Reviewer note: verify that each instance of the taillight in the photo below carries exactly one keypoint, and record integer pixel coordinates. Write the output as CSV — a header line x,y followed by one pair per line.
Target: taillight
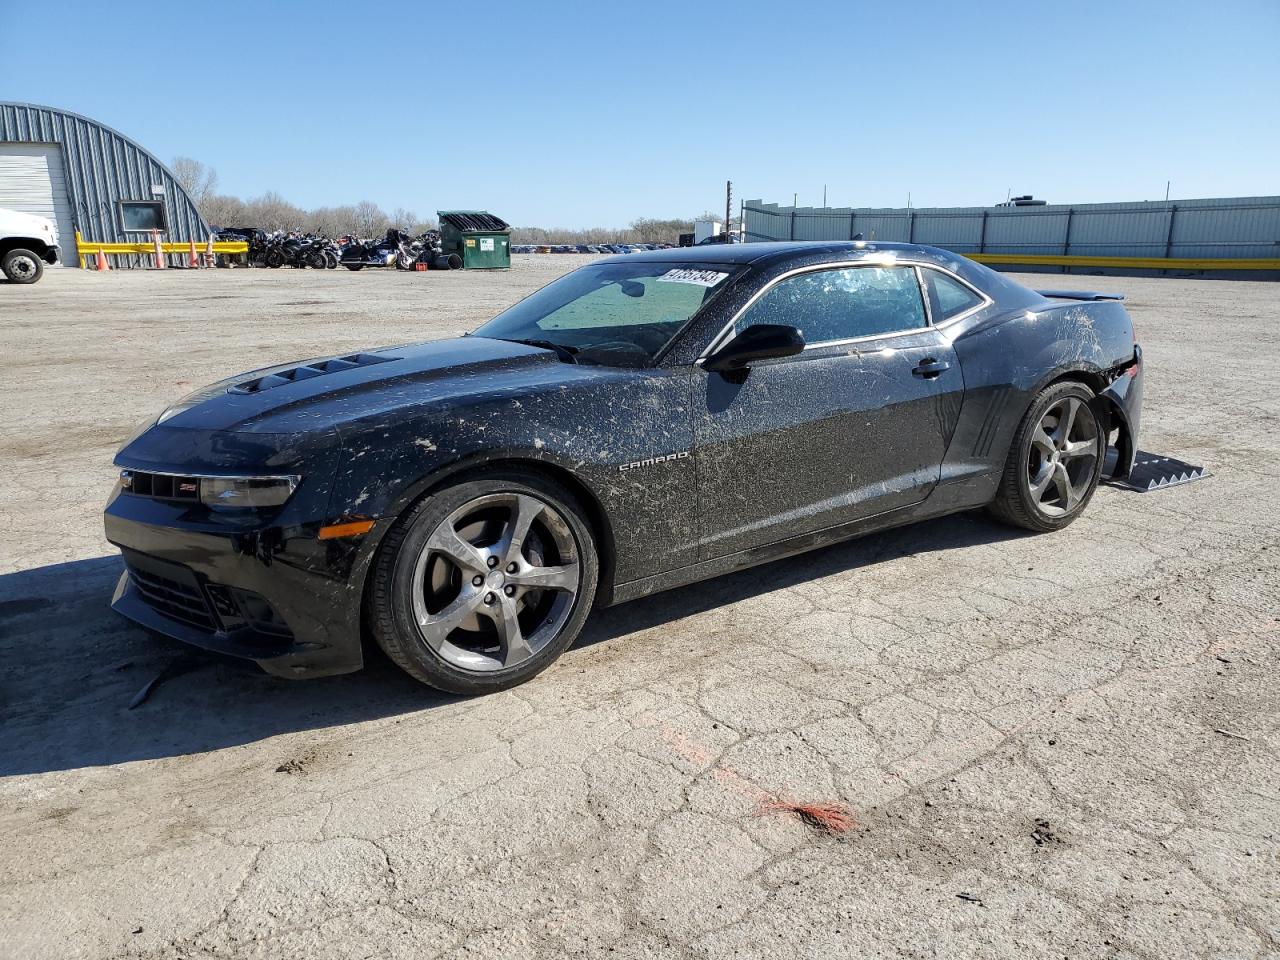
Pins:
x,y
1134,367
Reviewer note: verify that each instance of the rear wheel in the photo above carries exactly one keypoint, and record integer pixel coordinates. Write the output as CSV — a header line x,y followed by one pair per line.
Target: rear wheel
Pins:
x,y
22,266
353,267
482,585
1055,461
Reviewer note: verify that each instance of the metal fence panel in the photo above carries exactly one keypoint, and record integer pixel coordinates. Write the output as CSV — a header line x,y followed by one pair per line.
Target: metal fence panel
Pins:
x,y
1226,228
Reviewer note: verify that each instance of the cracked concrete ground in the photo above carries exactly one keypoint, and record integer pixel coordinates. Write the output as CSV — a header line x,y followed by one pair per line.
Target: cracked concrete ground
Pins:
x,y
1076,732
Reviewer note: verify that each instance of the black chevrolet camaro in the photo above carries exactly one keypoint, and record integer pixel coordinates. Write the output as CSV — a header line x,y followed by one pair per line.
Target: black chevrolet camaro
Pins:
x,y
641,423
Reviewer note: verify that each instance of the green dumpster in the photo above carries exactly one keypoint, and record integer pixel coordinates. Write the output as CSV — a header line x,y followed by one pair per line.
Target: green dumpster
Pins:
x,y
482,240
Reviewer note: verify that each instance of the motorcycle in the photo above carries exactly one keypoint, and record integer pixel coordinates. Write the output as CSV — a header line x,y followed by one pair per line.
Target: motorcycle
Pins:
x,y
318,253
359,254
429,249
273,250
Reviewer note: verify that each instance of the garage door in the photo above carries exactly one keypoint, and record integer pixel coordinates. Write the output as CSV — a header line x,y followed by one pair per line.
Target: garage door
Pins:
x,y
32,181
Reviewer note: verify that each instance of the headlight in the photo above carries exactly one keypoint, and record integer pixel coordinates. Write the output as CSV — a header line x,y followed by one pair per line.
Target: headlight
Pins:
x,y
246,492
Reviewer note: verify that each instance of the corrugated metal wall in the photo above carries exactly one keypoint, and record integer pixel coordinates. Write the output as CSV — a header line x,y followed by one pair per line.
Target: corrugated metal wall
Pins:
x,y
102,168
1235,227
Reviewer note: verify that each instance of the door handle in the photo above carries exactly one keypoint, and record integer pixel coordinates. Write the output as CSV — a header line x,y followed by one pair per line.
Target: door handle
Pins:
x,y
930,368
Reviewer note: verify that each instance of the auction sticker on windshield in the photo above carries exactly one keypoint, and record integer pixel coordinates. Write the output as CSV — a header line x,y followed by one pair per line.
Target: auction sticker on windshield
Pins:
x,y
701,278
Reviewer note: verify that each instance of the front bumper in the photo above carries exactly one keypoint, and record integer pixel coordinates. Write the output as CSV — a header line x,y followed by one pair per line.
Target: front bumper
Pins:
x,y
53,255
274,595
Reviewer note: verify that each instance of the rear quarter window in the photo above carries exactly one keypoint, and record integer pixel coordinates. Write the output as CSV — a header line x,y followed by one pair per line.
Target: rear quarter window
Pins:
x,y
948,297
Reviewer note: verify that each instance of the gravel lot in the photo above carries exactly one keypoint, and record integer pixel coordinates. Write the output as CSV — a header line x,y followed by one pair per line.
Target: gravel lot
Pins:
x,y
1058,746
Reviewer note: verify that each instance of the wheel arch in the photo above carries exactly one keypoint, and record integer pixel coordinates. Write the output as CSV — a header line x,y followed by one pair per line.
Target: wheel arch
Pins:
x,y
1113,414
1088,374
34,244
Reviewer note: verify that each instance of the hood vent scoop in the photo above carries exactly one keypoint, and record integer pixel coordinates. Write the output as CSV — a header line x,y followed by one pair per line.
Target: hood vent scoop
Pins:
x,y
308,370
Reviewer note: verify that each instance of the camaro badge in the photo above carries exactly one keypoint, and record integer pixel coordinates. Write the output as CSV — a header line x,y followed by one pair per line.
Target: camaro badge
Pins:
x,y
682,455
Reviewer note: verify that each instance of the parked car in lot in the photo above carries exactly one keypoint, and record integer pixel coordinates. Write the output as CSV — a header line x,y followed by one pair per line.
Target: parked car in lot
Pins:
x,y
641,423
27,243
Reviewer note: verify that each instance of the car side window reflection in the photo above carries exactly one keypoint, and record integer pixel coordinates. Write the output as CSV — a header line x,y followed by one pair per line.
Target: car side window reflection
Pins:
x,y
947,297
842,304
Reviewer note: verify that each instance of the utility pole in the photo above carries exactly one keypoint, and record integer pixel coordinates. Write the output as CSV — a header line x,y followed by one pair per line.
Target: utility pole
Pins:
x,y
793,199
1166,190
824,194
728,203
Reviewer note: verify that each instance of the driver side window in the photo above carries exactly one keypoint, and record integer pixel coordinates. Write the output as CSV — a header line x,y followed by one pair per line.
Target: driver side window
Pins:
x,y
842,304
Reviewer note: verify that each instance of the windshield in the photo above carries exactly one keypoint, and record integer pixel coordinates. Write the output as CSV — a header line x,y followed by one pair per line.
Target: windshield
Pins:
x,y
616,314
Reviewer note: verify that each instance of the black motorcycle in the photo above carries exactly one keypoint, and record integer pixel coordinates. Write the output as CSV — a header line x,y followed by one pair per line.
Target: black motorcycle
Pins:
x,y
318,253
359,254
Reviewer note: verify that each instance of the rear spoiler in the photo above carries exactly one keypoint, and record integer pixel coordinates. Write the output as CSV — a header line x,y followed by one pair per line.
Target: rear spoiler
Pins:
x,y
1079,295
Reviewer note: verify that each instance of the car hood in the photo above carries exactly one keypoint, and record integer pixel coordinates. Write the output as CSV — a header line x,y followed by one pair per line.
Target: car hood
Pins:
x,y
326,394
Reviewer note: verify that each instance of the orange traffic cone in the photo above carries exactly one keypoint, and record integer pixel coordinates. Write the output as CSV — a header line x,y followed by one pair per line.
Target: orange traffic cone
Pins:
x,y
193,261
102,266
160,264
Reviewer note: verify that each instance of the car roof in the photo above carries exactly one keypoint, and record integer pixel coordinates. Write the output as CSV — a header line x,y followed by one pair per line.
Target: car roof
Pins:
x,y
759,253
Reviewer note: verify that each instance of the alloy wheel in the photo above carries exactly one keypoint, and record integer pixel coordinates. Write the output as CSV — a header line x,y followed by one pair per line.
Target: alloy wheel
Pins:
x,y
1063,457
495,581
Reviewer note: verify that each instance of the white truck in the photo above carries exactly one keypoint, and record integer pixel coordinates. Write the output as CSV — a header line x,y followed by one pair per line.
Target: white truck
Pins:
x,y
27,243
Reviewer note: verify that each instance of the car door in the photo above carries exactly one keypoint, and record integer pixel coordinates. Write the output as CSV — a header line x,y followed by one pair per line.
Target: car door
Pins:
x,y
855,425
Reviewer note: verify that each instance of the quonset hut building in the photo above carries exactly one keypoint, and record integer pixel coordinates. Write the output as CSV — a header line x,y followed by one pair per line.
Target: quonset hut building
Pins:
x,y
87,177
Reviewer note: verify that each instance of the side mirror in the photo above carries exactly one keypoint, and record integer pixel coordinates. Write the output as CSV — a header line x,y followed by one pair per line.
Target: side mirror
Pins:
x,y
763,341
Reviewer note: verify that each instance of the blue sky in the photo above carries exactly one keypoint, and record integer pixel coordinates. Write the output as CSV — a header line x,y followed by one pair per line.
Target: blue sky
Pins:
x,y
586,114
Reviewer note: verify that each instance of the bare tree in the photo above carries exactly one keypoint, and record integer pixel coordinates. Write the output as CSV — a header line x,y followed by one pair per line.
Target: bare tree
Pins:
x,y
331,221
199,181
370,219
273,212
649,230
224,211
366,219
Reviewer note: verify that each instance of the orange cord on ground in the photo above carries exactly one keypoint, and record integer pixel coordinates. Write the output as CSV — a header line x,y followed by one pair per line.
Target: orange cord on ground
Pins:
x,y
833,818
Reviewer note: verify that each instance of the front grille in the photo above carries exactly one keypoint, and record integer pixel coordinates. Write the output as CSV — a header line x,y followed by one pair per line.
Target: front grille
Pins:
x,y
161,486
173,598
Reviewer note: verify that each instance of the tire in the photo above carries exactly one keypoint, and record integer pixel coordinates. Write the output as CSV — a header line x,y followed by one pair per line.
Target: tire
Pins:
x,y
353,267
274,259
316,261
331,261
1051,474
433,619
22,266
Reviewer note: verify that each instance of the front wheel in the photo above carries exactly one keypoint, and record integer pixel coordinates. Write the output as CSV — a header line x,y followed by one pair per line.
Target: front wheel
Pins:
x,y
482,585
1055,461
22,266
353,267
